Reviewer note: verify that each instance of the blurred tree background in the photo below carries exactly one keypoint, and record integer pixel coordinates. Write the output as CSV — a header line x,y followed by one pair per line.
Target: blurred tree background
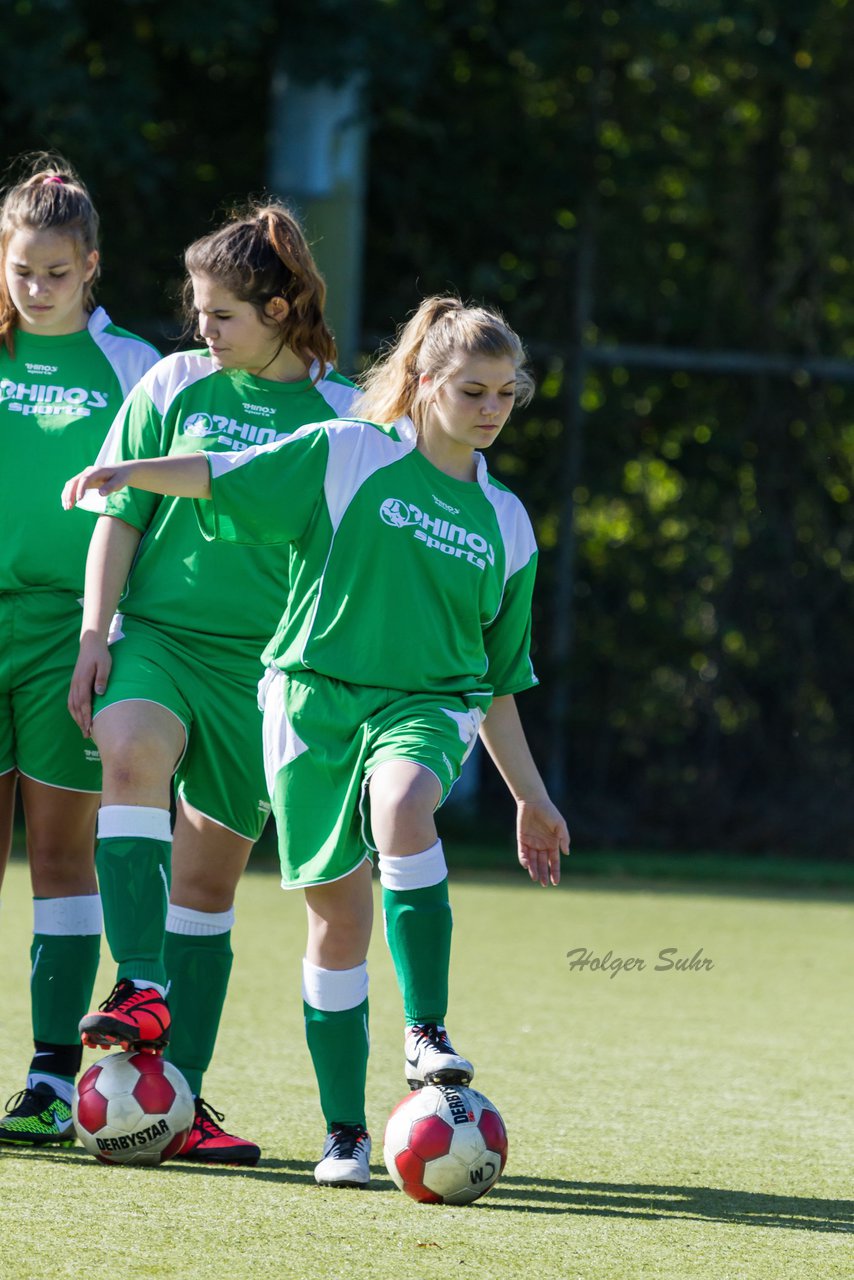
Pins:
x,y
668,174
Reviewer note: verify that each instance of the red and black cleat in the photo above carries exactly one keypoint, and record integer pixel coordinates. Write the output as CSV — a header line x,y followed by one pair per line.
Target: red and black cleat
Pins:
x,y
131,1017
208,1143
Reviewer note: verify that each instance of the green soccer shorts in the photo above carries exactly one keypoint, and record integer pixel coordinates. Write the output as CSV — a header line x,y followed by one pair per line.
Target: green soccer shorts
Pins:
x,y
39,642
322,741
213,691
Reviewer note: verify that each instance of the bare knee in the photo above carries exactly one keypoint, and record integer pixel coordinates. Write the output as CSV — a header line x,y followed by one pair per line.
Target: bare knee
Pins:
x,y
138,763
61,871
403,799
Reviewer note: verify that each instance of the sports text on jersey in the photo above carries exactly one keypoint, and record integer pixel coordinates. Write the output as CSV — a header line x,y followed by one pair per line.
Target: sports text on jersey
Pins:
x,y
442,535
229,429
266,410
42,399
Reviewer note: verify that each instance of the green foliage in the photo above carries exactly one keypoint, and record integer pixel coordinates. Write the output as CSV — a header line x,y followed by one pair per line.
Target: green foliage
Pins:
x,y
705,144
704,148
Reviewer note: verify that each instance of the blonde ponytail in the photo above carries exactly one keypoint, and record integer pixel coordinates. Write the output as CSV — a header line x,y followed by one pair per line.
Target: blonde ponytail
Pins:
x,y
434,341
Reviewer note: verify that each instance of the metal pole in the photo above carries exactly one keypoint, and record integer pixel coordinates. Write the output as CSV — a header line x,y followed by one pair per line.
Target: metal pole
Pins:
x,y
570,471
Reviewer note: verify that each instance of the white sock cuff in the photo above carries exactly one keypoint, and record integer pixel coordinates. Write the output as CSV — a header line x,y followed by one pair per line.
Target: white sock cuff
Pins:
x,y
334,990
198,924
123,820
418,871
61,1088
68,917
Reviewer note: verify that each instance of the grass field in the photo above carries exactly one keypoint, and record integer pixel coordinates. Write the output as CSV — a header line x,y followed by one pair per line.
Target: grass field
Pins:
x,y
663,1122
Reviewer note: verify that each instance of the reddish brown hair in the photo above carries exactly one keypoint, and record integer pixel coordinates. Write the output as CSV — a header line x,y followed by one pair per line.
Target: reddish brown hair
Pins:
x,y
263,254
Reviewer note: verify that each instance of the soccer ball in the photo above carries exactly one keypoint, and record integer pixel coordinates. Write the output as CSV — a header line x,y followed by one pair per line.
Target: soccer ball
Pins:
x,y
133,1108
445,1144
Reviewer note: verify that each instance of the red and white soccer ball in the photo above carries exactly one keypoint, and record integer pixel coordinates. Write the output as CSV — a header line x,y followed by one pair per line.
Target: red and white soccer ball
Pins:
x,y
445,1144
133,1108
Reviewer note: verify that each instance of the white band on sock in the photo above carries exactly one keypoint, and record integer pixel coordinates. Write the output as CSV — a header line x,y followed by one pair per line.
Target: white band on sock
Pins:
x,y
68,917
61,1088
334,990
418,871
198,924
118,820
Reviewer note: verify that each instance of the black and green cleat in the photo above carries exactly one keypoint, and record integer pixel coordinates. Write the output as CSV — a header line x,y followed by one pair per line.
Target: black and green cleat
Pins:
x,y
36,1117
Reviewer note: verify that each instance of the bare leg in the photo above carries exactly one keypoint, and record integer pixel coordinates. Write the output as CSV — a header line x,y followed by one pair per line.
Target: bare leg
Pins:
x,y
60,839
7,817
404,796
340,918
140,745
207,861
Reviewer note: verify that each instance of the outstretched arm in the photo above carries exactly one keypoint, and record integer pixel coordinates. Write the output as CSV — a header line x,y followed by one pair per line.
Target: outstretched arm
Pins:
x,y
541,832
181,476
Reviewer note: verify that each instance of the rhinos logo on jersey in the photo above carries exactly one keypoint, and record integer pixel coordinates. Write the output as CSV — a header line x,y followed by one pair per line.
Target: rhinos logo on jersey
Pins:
x,y
200,424
438,534
396,513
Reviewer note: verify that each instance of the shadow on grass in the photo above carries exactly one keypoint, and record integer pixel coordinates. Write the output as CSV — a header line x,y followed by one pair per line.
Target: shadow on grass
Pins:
x,y
554,1196
713,1204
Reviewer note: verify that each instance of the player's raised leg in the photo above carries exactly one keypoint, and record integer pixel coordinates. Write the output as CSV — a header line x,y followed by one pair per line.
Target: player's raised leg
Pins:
x,y
208,861
335,1006
418,922
64,954
140,743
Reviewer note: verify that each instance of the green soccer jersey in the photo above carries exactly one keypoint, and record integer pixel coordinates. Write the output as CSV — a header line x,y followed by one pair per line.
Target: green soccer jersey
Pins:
x,y
403,577
58,396
190,587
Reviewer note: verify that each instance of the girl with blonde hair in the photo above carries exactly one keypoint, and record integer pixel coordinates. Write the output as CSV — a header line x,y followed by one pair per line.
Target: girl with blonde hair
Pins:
x,y
405,633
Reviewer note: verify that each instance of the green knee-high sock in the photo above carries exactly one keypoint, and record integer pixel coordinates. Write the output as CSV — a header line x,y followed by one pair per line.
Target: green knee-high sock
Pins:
x,y
61,984
338,1043
64,954
198,968
418,926
134,872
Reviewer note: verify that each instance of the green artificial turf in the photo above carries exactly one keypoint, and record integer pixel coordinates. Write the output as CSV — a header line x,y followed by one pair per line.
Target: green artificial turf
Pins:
x,y
669,1123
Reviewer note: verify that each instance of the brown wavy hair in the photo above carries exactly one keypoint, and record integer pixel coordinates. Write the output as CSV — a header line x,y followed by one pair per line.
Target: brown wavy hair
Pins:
x,y
48,196
261,254
437,338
